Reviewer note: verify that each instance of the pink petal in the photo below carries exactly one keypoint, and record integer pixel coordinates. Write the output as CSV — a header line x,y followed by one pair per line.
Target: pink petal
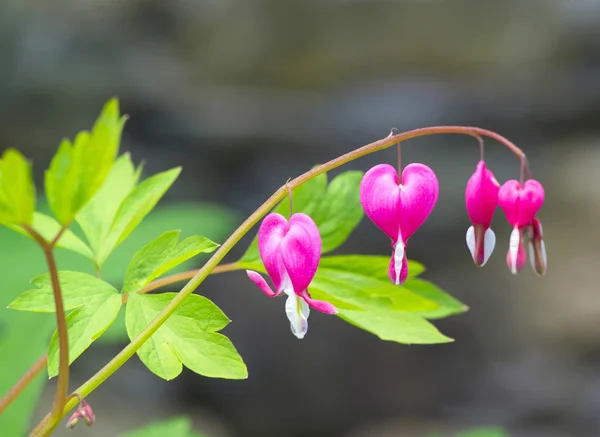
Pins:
x,y
319,305
420,191
393,206
260,282
481,196
521,202
270,236
380,198
301,251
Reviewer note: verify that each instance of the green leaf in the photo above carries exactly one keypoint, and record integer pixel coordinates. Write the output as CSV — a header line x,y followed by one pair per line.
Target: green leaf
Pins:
x,y
48,228
398,326
78,170
134,208
176,427
376,266
340,211
479,432
84,325
448,305
484,432
161,255
78,289
349,282
17,191
188,337
98,215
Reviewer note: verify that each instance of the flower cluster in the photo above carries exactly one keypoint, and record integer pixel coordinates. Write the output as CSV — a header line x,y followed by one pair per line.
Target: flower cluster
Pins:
x,y
399,204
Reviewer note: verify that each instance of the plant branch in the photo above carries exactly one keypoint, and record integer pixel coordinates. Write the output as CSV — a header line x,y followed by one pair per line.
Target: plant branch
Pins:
x,y
44,428
22,383
178,277
159,283
62,386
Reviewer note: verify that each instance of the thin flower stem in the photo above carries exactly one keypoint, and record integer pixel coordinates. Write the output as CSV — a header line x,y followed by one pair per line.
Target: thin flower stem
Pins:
x,y
399,149
16,390
178,277
44,428
62,386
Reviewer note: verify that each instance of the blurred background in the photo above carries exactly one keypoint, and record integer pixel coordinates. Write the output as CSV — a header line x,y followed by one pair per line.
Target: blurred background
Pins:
x,y
247,93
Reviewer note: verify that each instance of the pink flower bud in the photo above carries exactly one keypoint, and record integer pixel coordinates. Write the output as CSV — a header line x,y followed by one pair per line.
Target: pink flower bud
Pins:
x,y
481,198
537,248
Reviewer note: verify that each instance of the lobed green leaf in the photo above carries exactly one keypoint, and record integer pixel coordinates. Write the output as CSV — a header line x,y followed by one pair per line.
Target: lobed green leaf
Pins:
x,y
78,289
186,338
161,255
99,213
79,169
17,190
134,208
84,325
398,326
175,427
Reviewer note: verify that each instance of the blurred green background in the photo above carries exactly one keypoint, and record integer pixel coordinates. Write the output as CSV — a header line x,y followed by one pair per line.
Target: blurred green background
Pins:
x,y
247,93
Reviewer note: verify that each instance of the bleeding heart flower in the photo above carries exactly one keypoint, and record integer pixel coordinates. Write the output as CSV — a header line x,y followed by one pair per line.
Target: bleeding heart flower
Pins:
x,y
481,198
290,253
537,248
520,204
399,208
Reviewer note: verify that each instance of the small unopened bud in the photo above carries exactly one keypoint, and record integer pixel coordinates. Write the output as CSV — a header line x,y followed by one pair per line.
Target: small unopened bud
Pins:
x,y
537,248
84,411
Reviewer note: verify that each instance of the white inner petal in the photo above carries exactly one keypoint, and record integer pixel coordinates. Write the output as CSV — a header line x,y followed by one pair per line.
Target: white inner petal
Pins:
x,y
489,242
513,249
471,241
297,312
398,257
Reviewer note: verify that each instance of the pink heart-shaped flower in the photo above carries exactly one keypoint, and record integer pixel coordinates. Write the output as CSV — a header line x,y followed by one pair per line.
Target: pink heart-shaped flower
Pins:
x,y
399,208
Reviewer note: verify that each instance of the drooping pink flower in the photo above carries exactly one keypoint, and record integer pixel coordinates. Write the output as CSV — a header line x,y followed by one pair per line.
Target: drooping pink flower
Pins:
x,y
481,198
85,412
537,248
399,208
520,203
290,253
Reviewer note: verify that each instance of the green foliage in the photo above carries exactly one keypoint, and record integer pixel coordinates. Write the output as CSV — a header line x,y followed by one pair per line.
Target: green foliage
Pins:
x,y
187,338
335,208
97,216
95,304
24,337
138,203
479,432
359,287
78,169
375,267
17,191
176,427
162,255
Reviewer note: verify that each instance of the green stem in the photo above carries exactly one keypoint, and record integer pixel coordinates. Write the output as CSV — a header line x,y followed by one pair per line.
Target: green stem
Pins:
x,y
113,365
62,386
